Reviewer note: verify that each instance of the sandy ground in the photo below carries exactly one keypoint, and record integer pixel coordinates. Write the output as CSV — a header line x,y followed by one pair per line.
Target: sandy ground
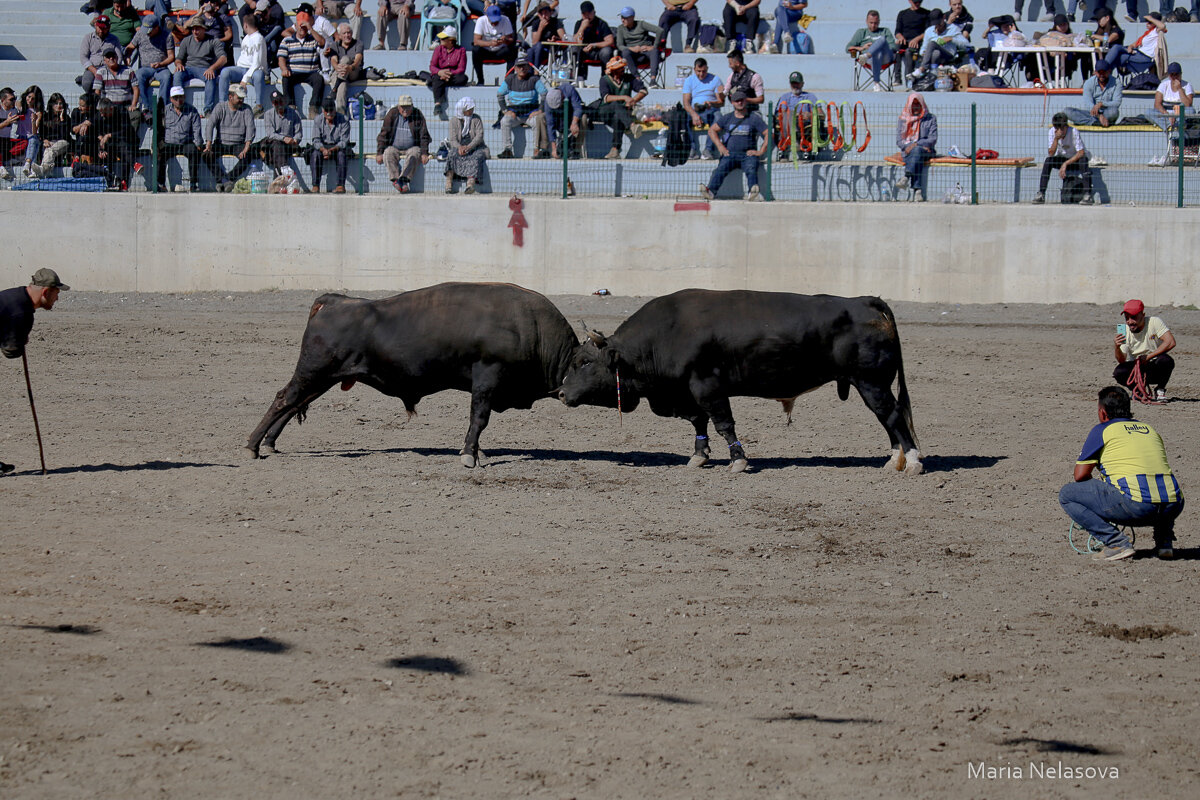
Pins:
x,y
360,616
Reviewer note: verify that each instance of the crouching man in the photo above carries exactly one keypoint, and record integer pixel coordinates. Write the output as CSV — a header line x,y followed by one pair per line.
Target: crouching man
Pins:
x,y
1135,486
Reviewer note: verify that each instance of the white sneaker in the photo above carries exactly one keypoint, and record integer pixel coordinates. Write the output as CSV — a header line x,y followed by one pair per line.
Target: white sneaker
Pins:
x,y
753,195
1099,162
5,174
704,190
28,170
877,87
918,72
918,196
902,183
1160,395
1161,161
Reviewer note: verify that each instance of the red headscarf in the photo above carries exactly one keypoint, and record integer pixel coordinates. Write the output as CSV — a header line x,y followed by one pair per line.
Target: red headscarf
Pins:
x,y
911,116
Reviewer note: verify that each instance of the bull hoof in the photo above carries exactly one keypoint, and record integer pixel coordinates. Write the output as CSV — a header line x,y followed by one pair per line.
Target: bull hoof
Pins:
x,y
739,465
269,450
697,461
469,461
896,462
253,452
914,467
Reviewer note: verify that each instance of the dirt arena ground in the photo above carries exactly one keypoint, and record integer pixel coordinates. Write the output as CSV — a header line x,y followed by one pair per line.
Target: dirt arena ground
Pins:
x,y
360,616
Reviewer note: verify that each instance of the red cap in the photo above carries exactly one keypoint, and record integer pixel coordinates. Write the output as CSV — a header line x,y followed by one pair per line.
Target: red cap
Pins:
x,y
100,20
1133,308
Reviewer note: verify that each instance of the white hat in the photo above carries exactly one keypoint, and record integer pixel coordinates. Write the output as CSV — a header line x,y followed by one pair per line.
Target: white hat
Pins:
x,y
448,32
176,91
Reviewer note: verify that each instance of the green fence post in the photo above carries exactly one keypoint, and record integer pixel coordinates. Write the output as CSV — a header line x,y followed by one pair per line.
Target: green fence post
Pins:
x,y
154,154
1181,125
974,150
566,145
770,151
362,149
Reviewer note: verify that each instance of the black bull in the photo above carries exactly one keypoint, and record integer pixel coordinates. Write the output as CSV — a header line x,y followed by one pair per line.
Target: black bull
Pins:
x,y
507,346
687,353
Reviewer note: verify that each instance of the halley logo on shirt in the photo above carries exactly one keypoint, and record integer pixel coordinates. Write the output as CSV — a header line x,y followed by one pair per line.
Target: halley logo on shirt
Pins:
x,y
1133,427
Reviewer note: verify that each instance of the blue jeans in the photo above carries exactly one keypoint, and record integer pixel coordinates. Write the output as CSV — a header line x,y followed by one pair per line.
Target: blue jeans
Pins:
x,y
1095,505
708,117
1135,61
747,163
786,20
210,87
916,165
880,54
147,74
231,75
161,8
1083,116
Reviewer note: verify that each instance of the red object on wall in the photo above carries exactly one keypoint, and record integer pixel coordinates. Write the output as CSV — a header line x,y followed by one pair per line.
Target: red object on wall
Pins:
x,y
517,221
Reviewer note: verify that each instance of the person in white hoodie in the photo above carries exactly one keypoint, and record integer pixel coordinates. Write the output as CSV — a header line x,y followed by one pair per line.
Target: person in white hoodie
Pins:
x,y
251,66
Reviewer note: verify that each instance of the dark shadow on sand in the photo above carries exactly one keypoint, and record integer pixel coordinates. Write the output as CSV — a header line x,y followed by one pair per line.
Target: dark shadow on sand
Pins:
x,y
434,664
798,717
1057,746
669,699
150,466
257,644
79,630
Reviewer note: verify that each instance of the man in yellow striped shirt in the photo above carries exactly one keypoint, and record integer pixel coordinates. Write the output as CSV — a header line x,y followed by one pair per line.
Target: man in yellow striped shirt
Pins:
x,y
1135,485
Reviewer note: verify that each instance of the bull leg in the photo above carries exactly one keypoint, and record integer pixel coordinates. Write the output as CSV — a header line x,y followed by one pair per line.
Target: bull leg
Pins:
x,y
905,455
713,403
288,401
700,456
484,380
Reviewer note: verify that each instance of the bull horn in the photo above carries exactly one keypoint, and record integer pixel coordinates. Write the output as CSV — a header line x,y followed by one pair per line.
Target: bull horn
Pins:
x,y
597,338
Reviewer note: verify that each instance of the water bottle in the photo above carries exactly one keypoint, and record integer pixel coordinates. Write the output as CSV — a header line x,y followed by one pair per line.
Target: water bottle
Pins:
x,y
741,40
660,142
885,193
681,75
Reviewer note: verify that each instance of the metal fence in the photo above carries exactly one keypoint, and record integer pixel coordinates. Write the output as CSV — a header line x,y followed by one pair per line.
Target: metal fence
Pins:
x,y
851,155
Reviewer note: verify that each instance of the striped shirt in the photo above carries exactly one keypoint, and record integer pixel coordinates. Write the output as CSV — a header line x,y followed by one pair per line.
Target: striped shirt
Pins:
x,y
302,55
1130,456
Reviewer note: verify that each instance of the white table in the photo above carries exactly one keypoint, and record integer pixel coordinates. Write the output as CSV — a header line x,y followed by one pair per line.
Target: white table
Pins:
x,y
1042,57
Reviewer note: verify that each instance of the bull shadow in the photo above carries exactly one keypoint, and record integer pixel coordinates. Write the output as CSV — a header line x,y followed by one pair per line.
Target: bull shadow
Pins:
x,y
78,630
256,644
669,699
145,466
508,455
931,463
1057,746
437,665
796,716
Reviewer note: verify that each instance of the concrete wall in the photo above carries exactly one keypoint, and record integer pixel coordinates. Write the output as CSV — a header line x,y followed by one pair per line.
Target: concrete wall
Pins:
x,y
900,251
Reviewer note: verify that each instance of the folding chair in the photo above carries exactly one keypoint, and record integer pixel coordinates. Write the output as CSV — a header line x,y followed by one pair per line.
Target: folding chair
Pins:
x,y
1191,143
430,26
862,80
642,67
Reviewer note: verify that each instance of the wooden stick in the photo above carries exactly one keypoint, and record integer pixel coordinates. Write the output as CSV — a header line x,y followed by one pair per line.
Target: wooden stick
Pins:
x,y
37,429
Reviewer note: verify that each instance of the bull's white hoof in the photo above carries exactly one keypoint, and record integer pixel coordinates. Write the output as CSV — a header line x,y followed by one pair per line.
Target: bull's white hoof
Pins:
x,y
266,448
697,461
914,465
896,462
739,465
467,460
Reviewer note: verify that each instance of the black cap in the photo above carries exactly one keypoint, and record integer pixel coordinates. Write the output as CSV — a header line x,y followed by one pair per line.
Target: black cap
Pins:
x,y
110,53
936,16
1102,11
277,95
737,94
1061,19
329,105
587,6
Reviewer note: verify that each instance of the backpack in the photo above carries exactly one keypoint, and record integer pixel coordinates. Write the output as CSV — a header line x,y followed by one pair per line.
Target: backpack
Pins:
x,y
1178,15
679,139
1072,188
926,82
802,44
1143,82
987,82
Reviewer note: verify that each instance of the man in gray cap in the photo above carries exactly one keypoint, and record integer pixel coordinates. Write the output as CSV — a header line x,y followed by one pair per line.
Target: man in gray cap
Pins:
x,y
16,315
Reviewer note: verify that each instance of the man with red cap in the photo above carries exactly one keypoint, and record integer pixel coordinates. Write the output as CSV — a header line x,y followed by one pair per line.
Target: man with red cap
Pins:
x,y
92,49
1145,341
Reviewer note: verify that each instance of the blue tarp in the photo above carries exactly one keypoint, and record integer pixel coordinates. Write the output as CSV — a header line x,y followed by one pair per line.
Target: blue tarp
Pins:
x,y
62,185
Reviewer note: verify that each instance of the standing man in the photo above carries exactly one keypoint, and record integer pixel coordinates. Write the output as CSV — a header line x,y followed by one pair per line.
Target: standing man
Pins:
x,y
736,136
16,316
1135,487
1146,341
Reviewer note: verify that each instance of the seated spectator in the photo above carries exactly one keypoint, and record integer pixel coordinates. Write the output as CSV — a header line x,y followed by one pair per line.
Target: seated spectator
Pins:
x,y
744,78
677,11
269,16
520,95
57,139
300,63
911,24
199,58
404,135
229,131
942,43
400,11
550,121
349,10
282,132
546,27
1062,31
997,31
958,15
1145,343
117,83
347,63
447,67
468,151
1172,96
795,108
32,110
83,128
596,38
123,22
1107,33
637,38
12,148
873,46
181,136
115,139
703,96
1141,57
736,137
493,39
620,92
330,142
155,50
746,13
323,30
91,51
1067,154
916,136
787,28
1101,99
219,28
251,67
